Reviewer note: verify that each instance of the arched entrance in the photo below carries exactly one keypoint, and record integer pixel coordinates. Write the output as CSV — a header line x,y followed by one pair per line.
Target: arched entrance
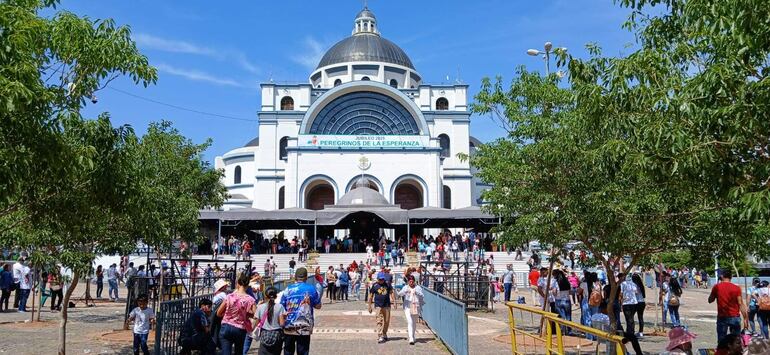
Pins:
x,y
318,195
408,194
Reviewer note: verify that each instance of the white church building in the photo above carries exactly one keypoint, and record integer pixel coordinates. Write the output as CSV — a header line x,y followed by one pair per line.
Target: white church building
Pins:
x,y
364,111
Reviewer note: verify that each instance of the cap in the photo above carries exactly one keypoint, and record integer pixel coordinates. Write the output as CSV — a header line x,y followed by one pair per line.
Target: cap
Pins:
x,y
301,273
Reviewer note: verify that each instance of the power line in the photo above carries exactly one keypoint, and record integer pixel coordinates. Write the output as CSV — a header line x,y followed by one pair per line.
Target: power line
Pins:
x,y
180,107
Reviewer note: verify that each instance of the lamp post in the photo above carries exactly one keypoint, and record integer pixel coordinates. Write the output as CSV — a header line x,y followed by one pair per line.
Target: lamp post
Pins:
x,y
546,53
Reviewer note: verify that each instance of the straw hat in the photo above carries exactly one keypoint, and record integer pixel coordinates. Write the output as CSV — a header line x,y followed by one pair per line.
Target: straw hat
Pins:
x,y
678,336
220,284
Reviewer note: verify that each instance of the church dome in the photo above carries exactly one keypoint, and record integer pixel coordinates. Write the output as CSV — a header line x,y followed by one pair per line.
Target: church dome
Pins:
x,y
362,196
365,45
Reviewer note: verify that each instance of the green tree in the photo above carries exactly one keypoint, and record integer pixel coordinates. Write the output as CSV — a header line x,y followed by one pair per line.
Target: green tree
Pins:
x,y
75,188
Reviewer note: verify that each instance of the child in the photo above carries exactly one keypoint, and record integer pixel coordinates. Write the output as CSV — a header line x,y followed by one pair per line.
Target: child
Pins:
x,y
497,288
142,317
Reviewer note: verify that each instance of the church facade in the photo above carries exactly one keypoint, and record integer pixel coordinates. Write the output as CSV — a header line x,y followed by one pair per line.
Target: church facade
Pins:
x,y
364,112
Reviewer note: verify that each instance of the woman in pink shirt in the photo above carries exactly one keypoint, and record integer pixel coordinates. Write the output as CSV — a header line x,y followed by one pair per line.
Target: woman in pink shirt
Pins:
x,y
574,283
236,312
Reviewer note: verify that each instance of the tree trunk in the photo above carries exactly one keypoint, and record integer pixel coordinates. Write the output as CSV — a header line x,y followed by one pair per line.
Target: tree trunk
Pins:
x,y
613,298
64,310
40,309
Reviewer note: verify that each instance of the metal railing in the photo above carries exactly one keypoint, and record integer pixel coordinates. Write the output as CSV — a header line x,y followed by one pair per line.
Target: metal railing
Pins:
x,y
171,316
527,337
447,319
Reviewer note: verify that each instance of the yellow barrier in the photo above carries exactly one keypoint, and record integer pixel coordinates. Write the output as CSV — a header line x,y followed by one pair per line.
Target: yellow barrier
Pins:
x,y
553,322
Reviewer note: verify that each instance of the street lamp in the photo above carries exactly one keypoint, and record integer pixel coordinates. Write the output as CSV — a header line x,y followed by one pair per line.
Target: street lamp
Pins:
x,y
546,53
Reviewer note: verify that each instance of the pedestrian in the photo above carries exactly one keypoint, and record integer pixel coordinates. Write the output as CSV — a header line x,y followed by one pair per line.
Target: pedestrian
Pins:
x,y
196,331
99,281
23,281
292,264
142,316
729,306
300,300
271,317
673,299
542,282
344,279
131,272
6,286
574,282
355,283
369,253
236,312
55,286
640,302
331,284
381,296
561,295
763,302
220,293
508,279
112,281
628,290
753,303
533,277
413,302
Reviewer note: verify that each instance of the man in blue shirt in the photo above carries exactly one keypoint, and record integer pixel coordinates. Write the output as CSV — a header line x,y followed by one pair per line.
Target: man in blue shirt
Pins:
x,y
299,300
381,296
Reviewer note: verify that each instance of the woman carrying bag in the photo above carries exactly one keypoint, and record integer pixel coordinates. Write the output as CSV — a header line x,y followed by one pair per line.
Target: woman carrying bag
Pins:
x,y
270,317
413,302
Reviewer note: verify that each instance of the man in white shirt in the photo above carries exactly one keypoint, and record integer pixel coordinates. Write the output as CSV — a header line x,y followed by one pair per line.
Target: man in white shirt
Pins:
x,y
22,276
112,281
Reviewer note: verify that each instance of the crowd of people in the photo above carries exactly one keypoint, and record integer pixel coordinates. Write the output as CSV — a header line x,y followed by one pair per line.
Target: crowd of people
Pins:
x,y
282,321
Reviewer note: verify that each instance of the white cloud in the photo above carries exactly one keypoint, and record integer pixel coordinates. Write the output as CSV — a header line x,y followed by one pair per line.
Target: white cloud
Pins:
x,y
168,45
178,46
314,50
196,75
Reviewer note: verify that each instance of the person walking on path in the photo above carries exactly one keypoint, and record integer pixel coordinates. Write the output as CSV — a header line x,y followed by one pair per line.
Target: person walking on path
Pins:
x,y
534,277
142,316
753,303
381,296
271,318
763,301
6,286
671,299
730,306
236,312
23,279
508,279
640,302
112,281
300,299
413,302
331,284
628,290
55,285
99,281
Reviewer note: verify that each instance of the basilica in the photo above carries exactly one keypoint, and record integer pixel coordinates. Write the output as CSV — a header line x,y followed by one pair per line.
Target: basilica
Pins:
x,y
364,117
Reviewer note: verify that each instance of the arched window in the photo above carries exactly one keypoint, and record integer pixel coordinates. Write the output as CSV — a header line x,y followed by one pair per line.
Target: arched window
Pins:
x,y
282,154
337,82
443,141
281,196
394,83
442,104
447,197
237,175
366,78
287,103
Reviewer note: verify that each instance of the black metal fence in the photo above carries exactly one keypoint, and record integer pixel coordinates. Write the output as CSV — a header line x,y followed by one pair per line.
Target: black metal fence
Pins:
x,y
170,318
181,281
469,286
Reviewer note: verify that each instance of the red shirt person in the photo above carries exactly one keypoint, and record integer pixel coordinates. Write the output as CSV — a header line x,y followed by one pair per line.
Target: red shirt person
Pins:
x,y
730,306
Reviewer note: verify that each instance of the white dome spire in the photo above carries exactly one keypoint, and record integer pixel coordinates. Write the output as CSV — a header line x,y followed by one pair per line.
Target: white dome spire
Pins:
x,y
365,23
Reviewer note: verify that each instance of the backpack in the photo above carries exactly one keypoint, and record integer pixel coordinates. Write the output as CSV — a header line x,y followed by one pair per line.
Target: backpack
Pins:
x,y
764,302
595,299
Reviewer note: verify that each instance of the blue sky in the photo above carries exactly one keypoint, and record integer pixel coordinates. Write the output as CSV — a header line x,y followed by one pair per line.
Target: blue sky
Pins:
x,y
211,58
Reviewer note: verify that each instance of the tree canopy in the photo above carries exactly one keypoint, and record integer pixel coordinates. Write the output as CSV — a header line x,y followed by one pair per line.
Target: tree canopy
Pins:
x,y
76,187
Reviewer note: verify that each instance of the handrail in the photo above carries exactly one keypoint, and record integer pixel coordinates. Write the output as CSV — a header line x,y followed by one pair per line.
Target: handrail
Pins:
x,y
553,322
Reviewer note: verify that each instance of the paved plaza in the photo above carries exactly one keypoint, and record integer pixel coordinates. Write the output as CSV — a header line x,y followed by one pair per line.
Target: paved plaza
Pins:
x,y
341,328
